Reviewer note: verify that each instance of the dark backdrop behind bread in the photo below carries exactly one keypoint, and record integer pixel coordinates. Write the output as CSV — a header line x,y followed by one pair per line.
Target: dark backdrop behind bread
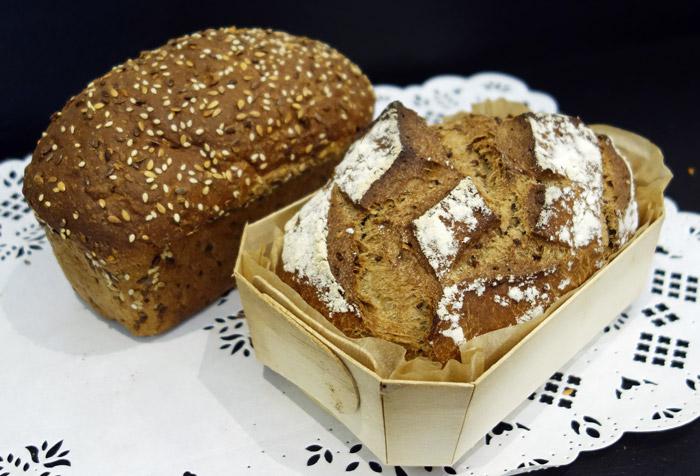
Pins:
x,y
610,62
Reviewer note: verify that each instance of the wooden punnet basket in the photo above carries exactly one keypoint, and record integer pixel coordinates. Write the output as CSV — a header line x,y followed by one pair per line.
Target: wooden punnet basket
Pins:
x,y
434,423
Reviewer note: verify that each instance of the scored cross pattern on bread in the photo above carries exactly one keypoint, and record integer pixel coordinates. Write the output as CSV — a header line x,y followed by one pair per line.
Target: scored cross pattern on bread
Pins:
x,y
432,235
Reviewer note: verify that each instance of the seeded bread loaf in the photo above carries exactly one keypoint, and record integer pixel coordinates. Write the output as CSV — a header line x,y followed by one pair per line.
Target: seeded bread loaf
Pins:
x,y
430,236
145,179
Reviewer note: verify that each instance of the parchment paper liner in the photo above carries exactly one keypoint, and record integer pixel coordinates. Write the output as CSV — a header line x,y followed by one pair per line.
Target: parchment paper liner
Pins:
x,y
478,354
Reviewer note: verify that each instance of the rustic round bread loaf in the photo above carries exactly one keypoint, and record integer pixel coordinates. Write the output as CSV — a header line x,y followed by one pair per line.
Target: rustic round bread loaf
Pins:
x,y
145,179
430,236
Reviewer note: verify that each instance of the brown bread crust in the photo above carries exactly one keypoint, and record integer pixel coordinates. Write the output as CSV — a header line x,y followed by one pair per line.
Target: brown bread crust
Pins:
x,y
184,142
511,267
149,289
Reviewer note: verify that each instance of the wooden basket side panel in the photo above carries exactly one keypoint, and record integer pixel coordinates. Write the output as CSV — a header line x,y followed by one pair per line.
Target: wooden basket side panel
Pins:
x,y
423,421
509,382
340,385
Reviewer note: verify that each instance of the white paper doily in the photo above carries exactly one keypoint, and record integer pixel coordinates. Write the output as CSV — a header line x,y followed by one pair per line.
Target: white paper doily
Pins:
x,y
80,397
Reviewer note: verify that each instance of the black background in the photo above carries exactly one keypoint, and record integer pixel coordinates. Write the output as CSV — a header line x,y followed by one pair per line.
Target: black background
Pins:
x,y
622,63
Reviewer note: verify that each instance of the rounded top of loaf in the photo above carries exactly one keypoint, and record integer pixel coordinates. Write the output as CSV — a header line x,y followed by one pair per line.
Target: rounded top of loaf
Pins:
x,y
190,131
430,236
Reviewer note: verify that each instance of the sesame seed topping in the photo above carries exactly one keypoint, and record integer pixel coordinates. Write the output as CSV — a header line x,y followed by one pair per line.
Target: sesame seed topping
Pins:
x,y
229,96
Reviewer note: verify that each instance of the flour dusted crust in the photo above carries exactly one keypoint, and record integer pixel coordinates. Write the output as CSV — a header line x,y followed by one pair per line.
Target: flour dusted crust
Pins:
x,y
454,221
145,179
468,226
369,158
566,147
305,252
623,218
